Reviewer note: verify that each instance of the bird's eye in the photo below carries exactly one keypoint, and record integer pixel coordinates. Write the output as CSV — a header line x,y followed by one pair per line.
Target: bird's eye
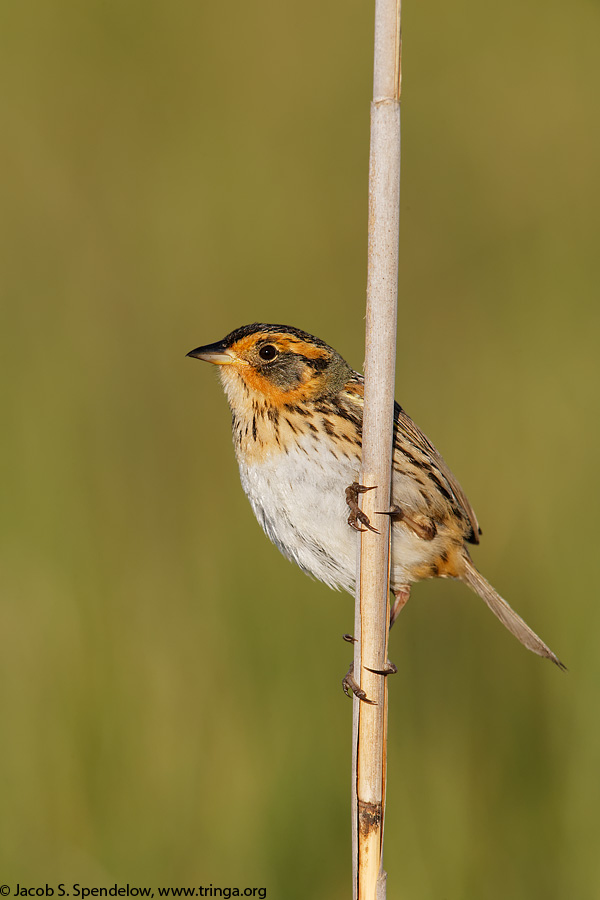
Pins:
x,y
268,352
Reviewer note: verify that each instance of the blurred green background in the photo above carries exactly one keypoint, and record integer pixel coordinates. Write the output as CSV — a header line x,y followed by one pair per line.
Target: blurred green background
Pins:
x,y
170,686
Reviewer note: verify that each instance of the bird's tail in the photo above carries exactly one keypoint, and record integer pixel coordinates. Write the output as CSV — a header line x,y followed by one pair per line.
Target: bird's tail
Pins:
x,y
506,614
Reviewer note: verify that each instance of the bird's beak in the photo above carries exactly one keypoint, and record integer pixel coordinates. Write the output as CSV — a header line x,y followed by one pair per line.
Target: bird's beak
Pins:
x,y
214,353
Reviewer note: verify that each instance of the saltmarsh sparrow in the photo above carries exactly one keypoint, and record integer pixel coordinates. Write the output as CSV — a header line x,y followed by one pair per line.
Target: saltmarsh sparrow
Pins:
x,y
297,410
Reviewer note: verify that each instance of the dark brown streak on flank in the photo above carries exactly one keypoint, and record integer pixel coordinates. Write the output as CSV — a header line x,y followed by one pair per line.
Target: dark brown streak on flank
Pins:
x,y
297,410
254,431
324,406
350,413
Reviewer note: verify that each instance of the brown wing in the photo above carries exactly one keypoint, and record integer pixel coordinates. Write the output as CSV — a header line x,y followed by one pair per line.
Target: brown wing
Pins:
x,y
411,444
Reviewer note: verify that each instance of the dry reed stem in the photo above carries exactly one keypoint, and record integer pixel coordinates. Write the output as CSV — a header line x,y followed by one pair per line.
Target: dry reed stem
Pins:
x,y
372,603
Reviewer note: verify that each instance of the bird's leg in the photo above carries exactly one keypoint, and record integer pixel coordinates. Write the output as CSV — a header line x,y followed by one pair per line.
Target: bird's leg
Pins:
x,y
401,596
356,513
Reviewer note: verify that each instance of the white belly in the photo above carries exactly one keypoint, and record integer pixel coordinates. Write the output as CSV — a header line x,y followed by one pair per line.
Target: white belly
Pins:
x,y
299,499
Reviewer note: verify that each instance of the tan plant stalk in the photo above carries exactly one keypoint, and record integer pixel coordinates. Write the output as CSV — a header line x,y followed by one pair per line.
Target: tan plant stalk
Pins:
x,y
372,600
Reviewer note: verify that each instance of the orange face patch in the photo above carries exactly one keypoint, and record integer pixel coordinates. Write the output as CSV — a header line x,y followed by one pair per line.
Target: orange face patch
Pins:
x,y
273,394
260,383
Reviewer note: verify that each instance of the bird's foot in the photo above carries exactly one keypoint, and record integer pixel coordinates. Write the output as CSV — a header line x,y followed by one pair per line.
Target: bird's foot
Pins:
x,y
351,685
356,513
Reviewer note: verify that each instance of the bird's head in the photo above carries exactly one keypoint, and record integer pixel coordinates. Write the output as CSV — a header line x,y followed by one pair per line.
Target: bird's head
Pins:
x,y
276,364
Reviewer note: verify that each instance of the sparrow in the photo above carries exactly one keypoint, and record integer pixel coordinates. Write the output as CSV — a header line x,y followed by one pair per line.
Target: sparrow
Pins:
x,y
297,412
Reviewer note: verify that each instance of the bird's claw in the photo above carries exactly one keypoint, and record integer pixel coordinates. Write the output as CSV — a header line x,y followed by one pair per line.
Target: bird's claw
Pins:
x,y
388,669
393,512
349,684
423,526
356,513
